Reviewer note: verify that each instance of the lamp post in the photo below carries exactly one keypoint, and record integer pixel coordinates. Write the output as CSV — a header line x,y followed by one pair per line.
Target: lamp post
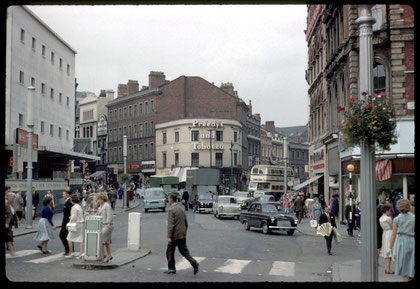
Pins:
x,y
285,153
369,262
125,170
30,124
350,169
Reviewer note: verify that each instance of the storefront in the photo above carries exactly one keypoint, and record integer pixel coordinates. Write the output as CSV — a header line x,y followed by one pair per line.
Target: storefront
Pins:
x,y
317,168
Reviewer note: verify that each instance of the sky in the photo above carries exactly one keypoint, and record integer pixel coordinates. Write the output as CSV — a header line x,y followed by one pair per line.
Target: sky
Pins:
x,y
260,49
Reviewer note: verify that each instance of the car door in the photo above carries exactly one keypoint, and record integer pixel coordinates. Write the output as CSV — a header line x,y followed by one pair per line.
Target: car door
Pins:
x,y
249,215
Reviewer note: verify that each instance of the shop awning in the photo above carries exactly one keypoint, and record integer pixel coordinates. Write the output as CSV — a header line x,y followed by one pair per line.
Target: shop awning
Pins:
x,y
311,180
98,174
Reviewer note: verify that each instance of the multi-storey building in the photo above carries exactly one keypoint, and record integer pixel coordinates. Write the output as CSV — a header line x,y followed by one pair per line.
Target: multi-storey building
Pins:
x,y
254,139
332,75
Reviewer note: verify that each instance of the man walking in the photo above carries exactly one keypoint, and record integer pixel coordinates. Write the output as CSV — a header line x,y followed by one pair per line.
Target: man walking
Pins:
x,y
35,202
66,218
299,203
185,198
328,217
177,233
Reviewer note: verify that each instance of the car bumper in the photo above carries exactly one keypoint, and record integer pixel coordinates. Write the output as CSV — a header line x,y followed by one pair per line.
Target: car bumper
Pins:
x,y
155,206
207,210
281,228
229,214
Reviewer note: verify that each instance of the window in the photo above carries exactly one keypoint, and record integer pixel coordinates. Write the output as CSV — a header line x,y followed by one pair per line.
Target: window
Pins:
x,y
152,128
32,81
146,151
22,35
152,150
125,112
379,78
68,69
124,130
42,127
194,135
61,63
140,108
21,77
195,159
52,94
146,107
176,159
120,113
119,153
152,106
164,138
130,111
135,110
135,152
130,132
68,101
235,136
43,88
141,130
51,130
20,119
130,153
135,131
146,131
140,152
219,159
120,133
43,51
219,135
33,43
59,132
177,136
235,159
110,115
52,57
164,159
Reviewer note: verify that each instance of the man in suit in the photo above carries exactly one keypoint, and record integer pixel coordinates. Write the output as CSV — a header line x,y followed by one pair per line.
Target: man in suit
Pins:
x,y
66,218
299,203
35,202
329,217
177,233
185,198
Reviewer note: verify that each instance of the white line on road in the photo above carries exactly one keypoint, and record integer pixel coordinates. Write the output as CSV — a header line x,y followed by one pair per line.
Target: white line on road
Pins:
x,y
48,259
22,253
233,266
283,268
184,264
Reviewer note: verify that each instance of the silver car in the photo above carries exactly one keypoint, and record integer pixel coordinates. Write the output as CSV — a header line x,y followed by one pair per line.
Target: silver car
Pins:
x,y
243,198
226,206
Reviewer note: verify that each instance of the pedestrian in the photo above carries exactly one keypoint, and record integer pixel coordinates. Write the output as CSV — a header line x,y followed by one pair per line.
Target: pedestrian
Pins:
x,y
185,198
403,225
10,221
53,197
286,204
309,202
120,193
45,226
75,226
386,224
299,203
35,202
112,196
328,217
378,225
322,202
350,217
177,233
18,204
397,196
66,218
357,213
335,205
105,211
316,210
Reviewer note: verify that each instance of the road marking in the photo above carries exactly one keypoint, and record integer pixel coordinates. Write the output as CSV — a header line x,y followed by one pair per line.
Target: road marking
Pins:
x,y
233,266
22,253
184,264
48,259
283,268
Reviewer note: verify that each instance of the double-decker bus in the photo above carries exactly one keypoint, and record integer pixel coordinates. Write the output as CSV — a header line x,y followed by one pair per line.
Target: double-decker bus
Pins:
x,y
269,179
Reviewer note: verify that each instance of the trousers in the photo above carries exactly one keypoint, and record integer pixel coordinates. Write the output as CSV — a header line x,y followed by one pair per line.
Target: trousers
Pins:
x,y
63,237
299,215
329,241
182,247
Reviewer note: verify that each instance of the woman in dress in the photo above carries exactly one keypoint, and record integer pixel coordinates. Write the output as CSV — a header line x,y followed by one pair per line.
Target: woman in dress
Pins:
x,y
105,211
45,226
405,244
286,204
75,235
317,210
386,224
11,220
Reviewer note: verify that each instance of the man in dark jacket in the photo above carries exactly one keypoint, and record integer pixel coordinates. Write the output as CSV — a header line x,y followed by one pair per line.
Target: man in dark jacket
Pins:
x,y
177,233
329,217
299,203
66,218
185,198
35,202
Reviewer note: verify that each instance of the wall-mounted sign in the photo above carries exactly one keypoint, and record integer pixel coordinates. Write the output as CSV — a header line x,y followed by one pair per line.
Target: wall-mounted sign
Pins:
x,y
22,138
317,159
211,124
148,166
102,125
205,146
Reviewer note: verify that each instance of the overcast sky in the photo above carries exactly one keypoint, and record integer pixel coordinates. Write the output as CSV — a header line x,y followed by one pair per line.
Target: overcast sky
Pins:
x,y
260,49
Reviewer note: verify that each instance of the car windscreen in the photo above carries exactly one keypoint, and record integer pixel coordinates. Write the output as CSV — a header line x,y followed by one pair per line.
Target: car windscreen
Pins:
x,y
203,197
226,200
153,194
269,208
243,195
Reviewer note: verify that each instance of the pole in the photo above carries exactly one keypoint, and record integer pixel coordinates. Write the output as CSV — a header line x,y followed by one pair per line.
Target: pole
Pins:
x,y
369,262
30,124
210,149
125,170
231,166
285,153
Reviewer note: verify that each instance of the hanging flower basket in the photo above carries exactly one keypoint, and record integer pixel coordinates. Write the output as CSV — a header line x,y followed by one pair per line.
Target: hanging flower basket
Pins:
x,y
371,121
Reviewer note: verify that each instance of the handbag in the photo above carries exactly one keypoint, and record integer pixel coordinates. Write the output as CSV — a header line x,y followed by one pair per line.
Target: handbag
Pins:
x,y
71,227
313,223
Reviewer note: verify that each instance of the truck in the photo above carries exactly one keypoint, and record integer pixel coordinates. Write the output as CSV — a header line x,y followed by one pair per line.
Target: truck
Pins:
x,y
202,181
170,184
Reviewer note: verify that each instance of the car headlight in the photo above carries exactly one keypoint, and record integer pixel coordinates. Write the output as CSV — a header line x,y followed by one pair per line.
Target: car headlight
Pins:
x,y
273,220
201,203
221,208
296,222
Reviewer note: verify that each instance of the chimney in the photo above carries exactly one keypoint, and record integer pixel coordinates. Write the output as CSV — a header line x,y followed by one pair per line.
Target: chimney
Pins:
x,y
228,87
250,108
269,126
110,94
122,90
103,93
132,87
258,116
144,87
156,78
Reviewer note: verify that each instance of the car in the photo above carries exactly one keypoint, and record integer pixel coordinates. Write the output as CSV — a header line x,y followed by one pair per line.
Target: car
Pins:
x,y
268,216
140,193
226,206
154,198
203,203
243,198
259,194
264,198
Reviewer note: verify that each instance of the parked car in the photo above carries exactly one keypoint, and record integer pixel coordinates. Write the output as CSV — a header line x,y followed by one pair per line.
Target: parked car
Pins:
x,y
268,216
203,203
259,194
140,193
243,198
154,198
226,206
264,198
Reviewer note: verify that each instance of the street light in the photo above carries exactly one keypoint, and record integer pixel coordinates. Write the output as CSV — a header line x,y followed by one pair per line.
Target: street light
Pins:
x,y
285,153
125,170
350,169
30,124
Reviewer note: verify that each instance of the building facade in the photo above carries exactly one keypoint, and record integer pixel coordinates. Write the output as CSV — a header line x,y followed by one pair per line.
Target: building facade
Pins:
x,y
254,138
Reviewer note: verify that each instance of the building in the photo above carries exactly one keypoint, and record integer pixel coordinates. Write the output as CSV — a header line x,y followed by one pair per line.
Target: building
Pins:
x,y
254,139
36,56
332,75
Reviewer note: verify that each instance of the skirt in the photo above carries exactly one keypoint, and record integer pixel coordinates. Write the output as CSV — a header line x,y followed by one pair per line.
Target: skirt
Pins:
x,y
45,231
386,245
76,236
404,259
106,235
8,237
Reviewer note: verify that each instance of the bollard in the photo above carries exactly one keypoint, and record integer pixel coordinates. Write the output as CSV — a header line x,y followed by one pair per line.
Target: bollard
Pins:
x,y
134,222
93,238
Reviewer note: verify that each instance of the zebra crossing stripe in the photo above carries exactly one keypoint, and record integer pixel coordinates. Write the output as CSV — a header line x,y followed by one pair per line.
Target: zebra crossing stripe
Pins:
x,y
233,266
184,264
22,253
283,268
48,259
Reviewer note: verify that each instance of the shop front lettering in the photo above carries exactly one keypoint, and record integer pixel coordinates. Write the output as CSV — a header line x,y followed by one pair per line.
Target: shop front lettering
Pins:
x,y
203,146
211,124
320,166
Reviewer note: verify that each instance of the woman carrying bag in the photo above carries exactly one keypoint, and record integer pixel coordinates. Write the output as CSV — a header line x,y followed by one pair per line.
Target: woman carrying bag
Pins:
x,y
75,227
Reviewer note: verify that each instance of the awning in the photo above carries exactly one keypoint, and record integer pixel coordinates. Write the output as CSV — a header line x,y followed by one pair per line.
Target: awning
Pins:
x,y
98,174
311,180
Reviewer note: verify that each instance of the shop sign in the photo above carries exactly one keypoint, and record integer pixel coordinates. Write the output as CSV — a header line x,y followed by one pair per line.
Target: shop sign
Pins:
x,y
211,124
22,138
203,146
317,159
148,166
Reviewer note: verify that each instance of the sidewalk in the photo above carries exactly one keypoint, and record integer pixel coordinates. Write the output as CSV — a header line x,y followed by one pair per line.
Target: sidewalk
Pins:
x,y
349,271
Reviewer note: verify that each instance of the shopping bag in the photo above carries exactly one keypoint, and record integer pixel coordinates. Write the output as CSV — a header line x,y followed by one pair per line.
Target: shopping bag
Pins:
x,y
337,237
313,223
71,227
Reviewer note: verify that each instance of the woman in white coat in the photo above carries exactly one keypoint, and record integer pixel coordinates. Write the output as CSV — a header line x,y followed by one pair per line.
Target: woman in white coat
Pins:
x,y
75,226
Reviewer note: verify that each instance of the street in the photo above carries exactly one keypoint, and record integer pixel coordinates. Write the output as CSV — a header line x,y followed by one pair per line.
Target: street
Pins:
x,y
225,250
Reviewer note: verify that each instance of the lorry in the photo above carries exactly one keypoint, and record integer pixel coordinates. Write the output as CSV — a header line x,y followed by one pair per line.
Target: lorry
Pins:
x,y
170,184
202,181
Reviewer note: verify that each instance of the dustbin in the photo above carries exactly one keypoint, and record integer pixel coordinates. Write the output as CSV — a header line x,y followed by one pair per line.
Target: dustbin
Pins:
x,y
93,238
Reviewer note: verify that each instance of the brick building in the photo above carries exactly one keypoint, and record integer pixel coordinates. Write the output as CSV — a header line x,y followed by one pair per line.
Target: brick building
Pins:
x,y
332,75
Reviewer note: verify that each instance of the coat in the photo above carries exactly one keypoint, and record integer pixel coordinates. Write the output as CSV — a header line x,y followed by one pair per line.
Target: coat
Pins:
x,y
324,219
18,203
66,213
299,203
185,196
177,223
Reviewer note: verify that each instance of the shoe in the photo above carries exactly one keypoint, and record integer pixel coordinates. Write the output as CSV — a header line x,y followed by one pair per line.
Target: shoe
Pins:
x,y
329,253
40,248
196,269
69,255
81,255
46,252
170,272
389,272
109,260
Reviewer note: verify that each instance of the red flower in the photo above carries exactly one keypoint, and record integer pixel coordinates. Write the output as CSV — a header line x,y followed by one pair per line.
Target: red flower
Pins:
x,y
364,93
369,106
353,99
340,108
359,120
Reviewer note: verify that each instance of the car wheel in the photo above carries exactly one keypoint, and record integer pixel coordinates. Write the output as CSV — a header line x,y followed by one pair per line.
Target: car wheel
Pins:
x,y
164,209
217,215
290,232
246,225
265,228
146,210
236,217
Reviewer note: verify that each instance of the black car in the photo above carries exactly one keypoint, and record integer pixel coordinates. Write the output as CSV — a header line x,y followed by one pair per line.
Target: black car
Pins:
x,y
268,216
203,203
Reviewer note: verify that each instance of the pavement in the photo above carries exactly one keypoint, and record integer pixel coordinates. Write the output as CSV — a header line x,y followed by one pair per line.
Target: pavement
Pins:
x,y
348,271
